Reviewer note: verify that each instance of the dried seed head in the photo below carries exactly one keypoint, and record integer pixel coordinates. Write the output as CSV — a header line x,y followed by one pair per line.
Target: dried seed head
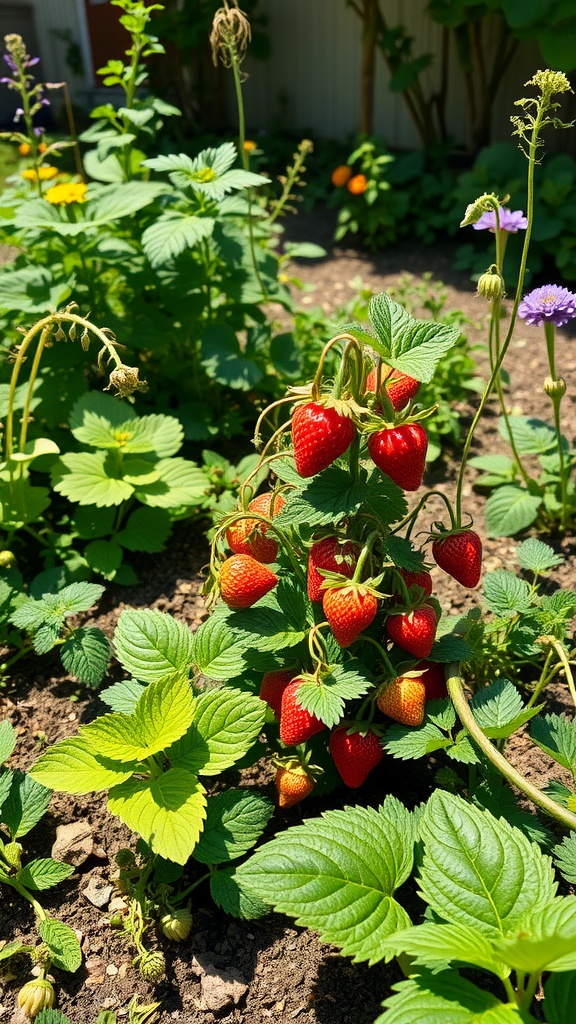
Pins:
x,y
152,966
230,35
124,379
550,82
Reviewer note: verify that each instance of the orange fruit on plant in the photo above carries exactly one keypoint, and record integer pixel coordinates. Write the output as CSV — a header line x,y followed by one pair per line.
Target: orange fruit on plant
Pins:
x,y
248,536
341,175
357,184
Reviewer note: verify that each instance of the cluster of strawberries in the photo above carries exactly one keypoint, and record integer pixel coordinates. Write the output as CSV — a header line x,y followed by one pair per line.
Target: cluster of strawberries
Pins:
x,y
321,433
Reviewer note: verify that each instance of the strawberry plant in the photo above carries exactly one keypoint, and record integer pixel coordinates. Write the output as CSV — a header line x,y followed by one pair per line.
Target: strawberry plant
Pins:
x,y
23,802
490,900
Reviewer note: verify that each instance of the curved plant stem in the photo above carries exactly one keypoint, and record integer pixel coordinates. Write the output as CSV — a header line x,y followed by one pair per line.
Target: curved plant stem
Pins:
x,y
455,685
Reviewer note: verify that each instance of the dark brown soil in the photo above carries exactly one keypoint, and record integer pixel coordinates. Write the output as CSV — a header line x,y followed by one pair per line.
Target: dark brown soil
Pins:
x,y
290,975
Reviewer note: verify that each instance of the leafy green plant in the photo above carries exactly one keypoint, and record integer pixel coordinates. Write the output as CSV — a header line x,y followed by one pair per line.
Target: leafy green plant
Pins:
x,y
23,802
491,899
138,1013
150,752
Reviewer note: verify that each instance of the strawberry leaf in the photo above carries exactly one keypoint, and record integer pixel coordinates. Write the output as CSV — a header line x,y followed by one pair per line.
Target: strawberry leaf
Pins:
x,y
565,858
226,724
337,874
326,698
560,997
446,997
151,644
234,822
413,346
543,940
168,811
556,735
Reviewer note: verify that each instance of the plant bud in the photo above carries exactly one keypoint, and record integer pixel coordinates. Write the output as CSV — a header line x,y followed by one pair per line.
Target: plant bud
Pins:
x,y
152,965
36,995
116,921
42,956
555,388
491,284
12,853
177,926
7,559
125,859
474,210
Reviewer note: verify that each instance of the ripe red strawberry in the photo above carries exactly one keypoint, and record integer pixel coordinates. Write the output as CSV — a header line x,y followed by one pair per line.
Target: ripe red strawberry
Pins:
x,y
434,679
349,610
248,536
332,554
414,631
296,724
319,435
273,685
400,388
355,755
400,452
418,579
292,785
404,700
460,555
243,581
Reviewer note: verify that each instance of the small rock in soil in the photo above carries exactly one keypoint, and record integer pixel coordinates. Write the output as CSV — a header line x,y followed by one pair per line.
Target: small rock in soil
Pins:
x,y
97,892
218,989
74,843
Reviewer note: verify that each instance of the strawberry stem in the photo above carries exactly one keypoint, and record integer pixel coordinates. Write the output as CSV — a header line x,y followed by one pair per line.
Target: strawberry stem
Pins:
x,y
344,336
455,686
364,555
391,672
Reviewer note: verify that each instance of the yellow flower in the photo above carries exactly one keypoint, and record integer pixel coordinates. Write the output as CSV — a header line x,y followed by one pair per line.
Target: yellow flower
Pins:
x,y
249,146
45,173
69,192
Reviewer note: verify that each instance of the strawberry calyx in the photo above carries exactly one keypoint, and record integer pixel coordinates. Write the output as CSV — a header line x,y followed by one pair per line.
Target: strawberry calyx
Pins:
x,y
299,763
420,601
362,727
334,581
401,418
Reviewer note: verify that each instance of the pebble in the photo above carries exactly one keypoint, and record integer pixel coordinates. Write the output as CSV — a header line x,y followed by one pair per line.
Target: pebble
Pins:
x,y
97,892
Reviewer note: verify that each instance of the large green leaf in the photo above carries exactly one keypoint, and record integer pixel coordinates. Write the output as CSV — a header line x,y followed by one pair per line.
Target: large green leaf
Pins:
x,y
151,644
235,820
331,496
505,594
480,871
226,724
168,812
179,484
433,945
224,360
446,999
72,767
234,896
32,289
209,172
90,478
538,557
544,939
85,654
147,529
162,715
217,651
337,874
413,346
499,709
172,233
44,872
509,510
25,805
326,697
531,436
111,203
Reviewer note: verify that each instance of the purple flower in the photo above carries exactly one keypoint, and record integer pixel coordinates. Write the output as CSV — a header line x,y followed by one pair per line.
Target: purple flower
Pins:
x,y
510,221
549,304
11,64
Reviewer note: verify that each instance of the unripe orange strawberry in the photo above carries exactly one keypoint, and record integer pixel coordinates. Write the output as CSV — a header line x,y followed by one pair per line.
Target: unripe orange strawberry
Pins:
x,y
404,700
248,536
341,175
358,184
243,581
350,610
292,785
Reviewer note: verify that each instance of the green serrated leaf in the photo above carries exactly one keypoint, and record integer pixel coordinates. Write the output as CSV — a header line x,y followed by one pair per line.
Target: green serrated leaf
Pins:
x,y
162,715
151,644
122,696
536,556
433,945
44,872
557,736
25,805
217,651
234,822
168,812
403,554
85,654
265,628
477,870
172,233
226,724
446,998
90,478
326,698
330,497
103,556
413,346
179,484
407,743
505,594
337,874
560,997
72,767
496,705
509,510
531,436
223,359
62,943
565,857
544,939
147,529
234,896
7,740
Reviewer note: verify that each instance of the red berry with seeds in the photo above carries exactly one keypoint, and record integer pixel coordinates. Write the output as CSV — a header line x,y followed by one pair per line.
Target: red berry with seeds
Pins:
x,y
418,579
243,581
292,785
355,755
414,631
349,610
296,724
273,685
404,700
460,555
331,554
320,434
248,536
434,679
400,452
400,388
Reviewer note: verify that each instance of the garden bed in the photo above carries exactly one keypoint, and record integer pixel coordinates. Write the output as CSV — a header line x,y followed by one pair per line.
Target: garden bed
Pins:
x,y
266,969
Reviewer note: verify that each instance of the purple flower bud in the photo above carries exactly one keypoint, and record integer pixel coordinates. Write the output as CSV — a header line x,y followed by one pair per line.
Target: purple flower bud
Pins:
x,y
511,221
18,113
549,304
11,64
